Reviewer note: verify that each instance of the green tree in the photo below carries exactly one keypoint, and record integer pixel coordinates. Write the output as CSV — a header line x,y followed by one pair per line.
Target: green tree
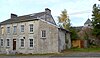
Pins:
x,y
74,34
64,20
96,20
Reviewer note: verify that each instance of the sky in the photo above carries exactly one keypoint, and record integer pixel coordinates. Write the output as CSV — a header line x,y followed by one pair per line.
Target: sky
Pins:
x,y
78,10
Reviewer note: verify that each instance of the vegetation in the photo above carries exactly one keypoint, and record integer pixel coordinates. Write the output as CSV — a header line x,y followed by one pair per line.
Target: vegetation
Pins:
x,y
96,21
74,34
64,21
85,49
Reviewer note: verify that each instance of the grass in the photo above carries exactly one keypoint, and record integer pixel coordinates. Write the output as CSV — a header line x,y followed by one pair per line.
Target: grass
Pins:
x,y
85,49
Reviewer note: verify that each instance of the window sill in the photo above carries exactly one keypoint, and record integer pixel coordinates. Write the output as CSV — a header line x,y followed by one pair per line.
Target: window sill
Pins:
x,y
43,38
8,47
31,48
22,47
31,32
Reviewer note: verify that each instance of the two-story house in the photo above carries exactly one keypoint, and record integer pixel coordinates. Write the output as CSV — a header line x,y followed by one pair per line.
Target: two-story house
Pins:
x,y
33,33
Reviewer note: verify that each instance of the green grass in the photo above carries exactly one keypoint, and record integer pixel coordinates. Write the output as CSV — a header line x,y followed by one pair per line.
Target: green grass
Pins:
x,y
85,49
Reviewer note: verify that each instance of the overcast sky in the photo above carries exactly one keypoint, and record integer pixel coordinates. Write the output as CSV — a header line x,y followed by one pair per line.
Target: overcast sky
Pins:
x,y
78,10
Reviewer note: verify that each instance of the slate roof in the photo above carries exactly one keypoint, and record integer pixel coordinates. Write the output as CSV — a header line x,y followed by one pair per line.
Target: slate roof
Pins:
x,y
24,18
88,21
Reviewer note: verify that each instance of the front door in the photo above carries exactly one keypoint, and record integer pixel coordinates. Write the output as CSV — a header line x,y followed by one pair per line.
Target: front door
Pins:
x,y
14,44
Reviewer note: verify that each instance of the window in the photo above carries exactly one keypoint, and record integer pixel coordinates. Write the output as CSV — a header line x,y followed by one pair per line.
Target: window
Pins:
x,y
15,29
22,28
2,30
43,33
7,42
31,42
1,42
22,42
31,27
8,29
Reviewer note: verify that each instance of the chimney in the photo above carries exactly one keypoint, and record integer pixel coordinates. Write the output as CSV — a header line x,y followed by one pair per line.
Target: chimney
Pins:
x,y
48,11
13,15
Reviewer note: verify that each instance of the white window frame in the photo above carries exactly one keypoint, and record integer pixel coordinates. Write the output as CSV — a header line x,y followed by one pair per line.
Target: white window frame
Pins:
x,y
2,30
43,33
22,43
1,42
22,28
14,29
8,29
31,26
31,44
8,42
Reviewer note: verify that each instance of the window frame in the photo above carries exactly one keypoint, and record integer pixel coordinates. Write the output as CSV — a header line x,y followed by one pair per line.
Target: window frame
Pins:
x,y
43,33
14,29
8,29
31,26
1,41
31,43
22,43
22,28
8,42
2,30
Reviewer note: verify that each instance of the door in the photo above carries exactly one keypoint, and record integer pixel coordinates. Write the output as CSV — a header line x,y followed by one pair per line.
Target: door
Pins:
x,y
14,44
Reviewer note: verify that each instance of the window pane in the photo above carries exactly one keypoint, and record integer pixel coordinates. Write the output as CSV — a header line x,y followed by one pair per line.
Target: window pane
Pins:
x,y
22,42
31,42
2,30
1,42
15,29
8,29
43,33
7,42
22,28
31,27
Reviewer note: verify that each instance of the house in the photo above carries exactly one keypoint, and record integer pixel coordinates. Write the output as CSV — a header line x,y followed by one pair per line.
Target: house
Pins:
x,y
34,33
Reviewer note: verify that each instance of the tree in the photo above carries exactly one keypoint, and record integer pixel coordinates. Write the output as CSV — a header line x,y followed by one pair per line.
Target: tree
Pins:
x,y
96,21
74,34
64,21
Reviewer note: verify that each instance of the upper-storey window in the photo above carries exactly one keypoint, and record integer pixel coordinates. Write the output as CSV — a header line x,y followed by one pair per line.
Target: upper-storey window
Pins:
x,y
43,33
22,28
8,29
31,27
15,29
2,30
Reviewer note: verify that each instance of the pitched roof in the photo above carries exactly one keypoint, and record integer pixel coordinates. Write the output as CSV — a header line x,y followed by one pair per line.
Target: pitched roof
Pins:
x,y
88,21
29,17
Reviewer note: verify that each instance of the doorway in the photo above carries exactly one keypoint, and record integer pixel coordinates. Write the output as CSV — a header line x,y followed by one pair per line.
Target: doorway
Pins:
x,y
14,44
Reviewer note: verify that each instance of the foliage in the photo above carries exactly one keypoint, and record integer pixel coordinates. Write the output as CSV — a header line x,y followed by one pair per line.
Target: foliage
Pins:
x,y
96,20
74,34
64,21
85,33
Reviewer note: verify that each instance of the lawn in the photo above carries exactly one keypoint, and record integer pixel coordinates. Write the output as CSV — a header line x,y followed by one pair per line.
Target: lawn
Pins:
x,y
85,49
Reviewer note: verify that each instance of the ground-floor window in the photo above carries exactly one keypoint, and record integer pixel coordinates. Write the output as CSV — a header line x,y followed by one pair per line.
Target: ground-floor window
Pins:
x,y
22,42
31,42
1,42
7,42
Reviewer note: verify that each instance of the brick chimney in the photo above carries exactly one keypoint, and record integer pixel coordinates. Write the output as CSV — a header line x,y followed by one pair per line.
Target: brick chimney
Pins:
x,y
48,11
13,15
